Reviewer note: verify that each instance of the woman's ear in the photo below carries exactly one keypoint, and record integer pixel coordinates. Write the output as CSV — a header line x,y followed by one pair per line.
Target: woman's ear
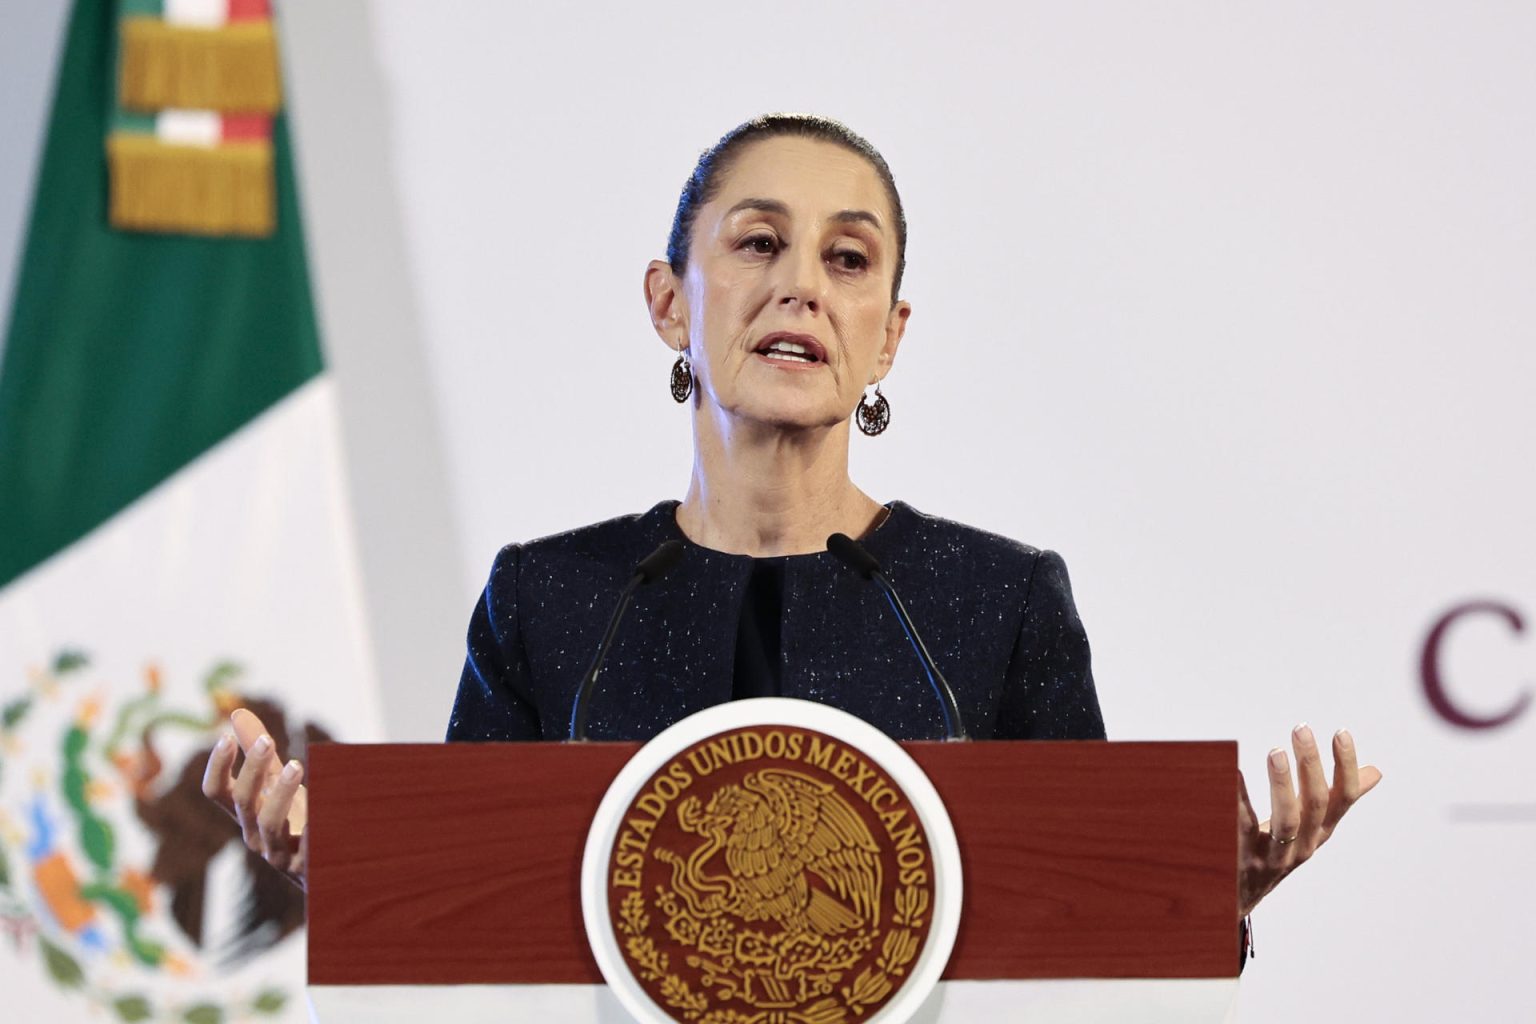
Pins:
x,y
895,329
664,300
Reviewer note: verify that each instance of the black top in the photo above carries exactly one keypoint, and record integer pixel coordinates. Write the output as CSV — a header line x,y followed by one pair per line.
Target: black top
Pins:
x,y
997,616
758,650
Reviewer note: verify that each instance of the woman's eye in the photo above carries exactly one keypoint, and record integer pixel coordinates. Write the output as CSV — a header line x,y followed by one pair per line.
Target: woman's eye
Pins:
x,y
849,259
762,245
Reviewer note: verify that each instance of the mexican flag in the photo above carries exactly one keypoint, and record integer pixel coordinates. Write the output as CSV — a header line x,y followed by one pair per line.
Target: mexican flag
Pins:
x,y
175,537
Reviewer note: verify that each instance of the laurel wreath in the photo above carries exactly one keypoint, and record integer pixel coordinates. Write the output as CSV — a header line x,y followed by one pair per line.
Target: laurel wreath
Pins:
x,y
869,988
897,951
652,963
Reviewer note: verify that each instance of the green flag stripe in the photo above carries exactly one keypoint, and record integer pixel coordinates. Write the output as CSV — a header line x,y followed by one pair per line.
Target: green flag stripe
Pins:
x,y
128,355
134,121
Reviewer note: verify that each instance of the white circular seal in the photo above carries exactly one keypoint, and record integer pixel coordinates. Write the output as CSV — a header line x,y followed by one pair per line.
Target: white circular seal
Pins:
x,y
836,915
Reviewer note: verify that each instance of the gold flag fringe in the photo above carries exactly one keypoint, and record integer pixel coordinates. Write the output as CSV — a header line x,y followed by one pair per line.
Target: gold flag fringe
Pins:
x,y
223,190
233,68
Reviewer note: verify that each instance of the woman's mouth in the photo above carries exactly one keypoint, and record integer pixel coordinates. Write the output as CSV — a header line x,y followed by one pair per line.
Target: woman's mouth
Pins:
x,y
791,349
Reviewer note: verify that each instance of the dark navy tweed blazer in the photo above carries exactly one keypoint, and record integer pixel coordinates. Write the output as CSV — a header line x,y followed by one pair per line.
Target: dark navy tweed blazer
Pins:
x,y
997,616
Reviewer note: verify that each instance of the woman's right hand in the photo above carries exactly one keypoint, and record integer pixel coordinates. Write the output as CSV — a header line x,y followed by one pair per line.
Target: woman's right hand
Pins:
x,y
266,798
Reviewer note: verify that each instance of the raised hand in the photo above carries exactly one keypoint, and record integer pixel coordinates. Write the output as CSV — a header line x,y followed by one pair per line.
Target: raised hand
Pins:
x,y
1301,820
267,799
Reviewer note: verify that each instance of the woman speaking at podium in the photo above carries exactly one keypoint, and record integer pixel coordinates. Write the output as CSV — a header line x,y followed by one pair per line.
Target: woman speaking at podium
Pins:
x,y
780,297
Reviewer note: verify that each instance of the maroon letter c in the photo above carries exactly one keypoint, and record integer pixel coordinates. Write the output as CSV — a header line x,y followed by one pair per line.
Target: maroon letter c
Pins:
x,y
1434,686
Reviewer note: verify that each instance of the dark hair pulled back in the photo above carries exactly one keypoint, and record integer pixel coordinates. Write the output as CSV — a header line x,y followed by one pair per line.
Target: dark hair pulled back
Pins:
x,y
704,183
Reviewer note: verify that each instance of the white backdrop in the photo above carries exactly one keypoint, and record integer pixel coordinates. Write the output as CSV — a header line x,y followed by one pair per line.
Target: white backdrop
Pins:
x,y
1233,307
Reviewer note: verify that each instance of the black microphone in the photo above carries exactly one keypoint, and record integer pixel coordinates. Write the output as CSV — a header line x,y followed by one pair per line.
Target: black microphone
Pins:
x,y
853,554
651,568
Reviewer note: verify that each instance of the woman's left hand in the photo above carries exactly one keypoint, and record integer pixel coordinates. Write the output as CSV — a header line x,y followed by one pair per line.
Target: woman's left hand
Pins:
x,y
1299,823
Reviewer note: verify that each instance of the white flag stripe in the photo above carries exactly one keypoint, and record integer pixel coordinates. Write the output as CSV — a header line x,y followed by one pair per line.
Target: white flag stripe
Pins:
x,y
189,127
197,13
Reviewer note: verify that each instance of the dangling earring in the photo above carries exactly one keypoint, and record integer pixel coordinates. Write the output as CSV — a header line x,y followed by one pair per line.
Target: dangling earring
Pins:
x,y
873,417
682,378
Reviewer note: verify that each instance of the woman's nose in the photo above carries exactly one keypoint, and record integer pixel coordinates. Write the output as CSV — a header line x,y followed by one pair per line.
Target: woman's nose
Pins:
x,y
803,280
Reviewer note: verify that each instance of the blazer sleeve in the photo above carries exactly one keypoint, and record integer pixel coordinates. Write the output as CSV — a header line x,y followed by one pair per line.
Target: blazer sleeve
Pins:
x,y
1048,693
493,701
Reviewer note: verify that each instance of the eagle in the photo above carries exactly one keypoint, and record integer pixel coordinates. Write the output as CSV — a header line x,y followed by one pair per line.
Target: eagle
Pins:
x,y
795,853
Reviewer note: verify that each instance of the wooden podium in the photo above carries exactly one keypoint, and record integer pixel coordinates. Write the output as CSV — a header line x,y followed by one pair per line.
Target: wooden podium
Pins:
x,y
444,880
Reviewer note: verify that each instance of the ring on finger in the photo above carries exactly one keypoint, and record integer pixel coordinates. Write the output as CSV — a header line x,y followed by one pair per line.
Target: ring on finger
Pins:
x,y
1283,840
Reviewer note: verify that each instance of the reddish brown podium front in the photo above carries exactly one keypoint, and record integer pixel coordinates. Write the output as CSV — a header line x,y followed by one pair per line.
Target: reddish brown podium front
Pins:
x,y
458,864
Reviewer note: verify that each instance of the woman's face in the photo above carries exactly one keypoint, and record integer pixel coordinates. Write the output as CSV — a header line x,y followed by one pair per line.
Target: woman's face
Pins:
x,y
786,303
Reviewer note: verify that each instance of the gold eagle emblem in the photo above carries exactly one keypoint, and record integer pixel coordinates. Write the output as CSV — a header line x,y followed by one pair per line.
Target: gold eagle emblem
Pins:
x,y
795,854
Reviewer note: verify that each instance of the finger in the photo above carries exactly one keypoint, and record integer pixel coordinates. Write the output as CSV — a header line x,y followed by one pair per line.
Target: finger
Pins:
x,y
1247,820
1346,778
298,868
298,812
248,728
1284,808
278,844
219,776
254,776
248,731
1346,766
1369,776
1314,788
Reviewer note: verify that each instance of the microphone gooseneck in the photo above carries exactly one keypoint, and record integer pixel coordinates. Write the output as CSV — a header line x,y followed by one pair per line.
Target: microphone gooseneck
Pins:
x,y
650,569
854,555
